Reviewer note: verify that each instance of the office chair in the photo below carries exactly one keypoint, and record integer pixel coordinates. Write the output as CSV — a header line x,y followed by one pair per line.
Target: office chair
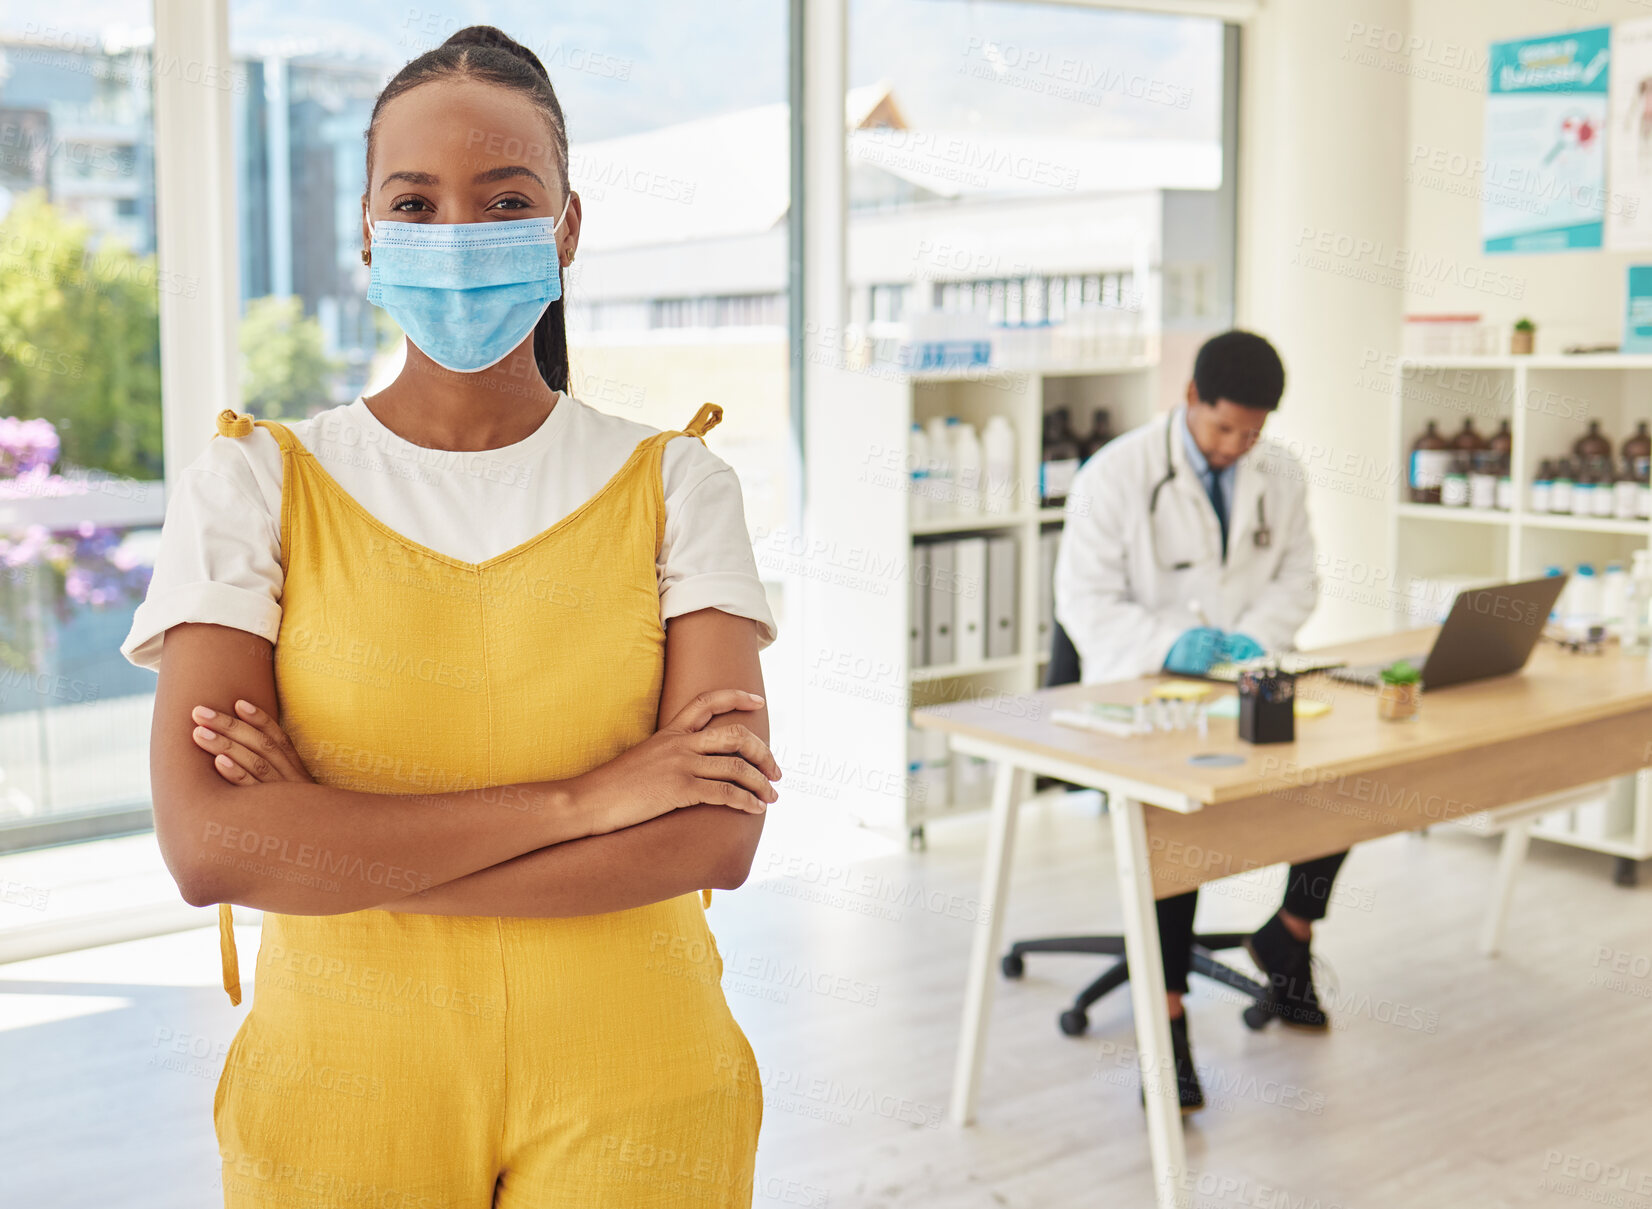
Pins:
x,y
1064,669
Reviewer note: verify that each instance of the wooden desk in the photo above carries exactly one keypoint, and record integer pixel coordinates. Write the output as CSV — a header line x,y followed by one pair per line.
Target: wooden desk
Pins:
x,y
1567,720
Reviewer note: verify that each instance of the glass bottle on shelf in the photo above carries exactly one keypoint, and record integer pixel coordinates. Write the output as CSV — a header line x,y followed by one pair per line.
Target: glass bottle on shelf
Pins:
x,y
1592,444
1606,485
1583,490
1482,480
1101,431
1060,458
1505,483
1542,482
1468,441
1637,449
1560,487
1501,441
1626,493
1430,459
1454,486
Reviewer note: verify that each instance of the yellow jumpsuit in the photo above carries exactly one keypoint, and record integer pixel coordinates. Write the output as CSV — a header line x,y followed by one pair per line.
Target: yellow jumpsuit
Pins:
x,y
406,1061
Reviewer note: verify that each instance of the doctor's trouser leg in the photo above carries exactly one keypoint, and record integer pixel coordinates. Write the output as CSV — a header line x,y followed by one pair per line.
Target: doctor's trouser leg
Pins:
x,y
1307,893
468,1062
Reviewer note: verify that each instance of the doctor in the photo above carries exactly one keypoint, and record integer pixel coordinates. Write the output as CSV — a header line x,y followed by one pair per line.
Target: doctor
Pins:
x,y
1187,543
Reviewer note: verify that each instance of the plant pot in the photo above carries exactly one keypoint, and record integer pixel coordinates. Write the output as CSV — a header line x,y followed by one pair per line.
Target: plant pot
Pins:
x,y
1520,343
1398,702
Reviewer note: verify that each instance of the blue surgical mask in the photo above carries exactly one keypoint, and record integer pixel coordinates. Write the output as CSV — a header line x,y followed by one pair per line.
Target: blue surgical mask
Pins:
x,y
467,293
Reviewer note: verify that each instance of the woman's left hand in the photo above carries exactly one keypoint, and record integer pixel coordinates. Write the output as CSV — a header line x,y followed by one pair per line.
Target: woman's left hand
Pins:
x,y
248,748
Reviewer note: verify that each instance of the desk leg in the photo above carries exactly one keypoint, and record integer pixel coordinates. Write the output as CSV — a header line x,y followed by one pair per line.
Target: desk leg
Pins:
x,y
1009,786
1517,838
1141,948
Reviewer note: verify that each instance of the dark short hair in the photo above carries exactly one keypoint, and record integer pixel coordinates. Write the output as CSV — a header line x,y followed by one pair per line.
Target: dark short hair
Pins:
x,y
1240,367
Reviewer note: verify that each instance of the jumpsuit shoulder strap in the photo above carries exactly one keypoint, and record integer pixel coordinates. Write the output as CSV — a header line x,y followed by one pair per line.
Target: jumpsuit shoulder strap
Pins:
x,y
237,424
707,418
227,956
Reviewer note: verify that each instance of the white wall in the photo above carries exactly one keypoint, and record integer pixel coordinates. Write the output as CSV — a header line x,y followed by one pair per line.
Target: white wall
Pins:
x,y
1574,297
1322,149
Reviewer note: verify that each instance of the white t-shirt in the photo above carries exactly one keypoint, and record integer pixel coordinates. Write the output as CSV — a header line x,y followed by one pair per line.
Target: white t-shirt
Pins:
x,y
220,549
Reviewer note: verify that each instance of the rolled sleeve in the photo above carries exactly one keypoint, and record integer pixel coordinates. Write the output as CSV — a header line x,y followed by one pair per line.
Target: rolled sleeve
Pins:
x,y
706,559
219,560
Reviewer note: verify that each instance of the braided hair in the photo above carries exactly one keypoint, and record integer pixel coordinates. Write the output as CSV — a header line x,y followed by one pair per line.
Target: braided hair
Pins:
x,y
482,52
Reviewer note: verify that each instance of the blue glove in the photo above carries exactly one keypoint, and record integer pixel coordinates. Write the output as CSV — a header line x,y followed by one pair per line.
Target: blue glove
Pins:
x,y
1237,646
1194,651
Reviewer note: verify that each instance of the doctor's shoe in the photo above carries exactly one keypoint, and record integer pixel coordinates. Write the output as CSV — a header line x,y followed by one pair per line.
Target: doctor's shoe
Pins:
x,y
1288,964
1188,1091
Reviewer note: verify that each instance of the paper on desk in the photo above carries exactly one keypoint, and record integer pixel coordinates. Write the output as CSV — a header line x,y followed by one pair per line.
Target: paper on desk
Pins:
x,y
1306,707
1106,717
1190,690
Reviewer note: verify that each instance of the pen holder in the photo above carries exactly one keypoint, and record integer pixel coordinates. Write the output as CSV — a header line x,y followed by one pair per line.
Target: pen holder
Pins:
x,y
1267,707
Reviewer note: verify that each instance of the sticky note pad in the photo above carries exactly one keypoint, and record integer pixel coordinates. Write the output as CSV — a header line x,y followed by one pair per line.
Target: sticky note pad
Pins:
x,y
1189,690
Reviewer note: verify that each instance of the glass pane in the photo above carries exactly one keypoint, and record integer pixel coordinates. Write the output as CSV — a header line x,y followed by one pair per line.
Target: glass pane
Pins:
x,y
80,410
1035,185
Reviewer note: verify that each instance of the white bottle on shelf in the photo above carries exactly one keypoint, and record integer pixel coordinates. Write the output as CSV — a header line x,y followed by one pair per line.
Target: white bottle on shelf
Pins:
x,y
1614,598
918,474
940,470
998,460
1585,603
966,462
1563,602
1637,629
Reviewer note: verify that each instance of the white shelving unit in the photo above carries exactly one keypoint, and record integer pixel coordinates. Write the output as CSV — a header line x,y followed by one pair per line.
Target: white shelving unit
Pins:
x,y
1548,402
859,684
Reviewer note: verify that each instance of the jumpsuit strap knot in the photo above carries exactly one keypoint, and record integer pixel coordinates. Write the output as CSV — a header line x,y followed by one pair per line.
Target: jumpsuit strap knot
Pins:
x,y
226,950
707,418
232,423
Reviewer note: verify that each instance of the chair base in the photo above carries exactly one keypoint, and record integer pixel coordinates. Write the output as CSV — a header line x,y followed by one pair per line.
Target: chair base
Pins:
x,y
1076,1019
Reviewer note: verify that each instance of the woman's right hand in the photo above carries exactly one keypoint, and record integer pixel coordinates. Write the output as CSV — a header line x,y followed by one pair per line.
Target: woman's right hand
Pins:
x,y
683,764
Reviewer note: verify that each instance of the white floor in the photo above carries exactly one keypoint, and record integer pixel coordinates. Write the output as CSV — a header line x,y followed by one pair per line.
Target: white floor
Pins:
x,y
1450,1080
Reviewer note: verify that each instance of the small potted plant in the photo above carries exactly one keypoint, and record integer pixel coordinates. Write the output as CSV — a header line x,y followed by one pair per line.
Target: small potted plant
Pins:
x,y
1400,692
1523,337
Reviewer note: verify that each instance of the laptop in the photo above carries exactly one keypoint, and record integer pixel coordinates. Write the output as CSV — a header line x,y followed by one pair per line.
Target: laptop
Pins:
x,y
1489,632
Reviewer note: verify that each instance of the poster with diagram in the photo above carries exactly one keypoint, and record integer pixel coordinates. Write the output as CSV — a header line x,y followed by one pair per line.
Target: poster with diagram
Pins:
x,y
1629,141
1546,117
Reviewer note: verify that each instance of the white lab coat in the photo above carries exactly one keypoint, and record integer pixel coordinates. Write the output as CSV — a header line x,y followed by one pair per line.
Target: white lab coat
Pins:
x,y
1123,609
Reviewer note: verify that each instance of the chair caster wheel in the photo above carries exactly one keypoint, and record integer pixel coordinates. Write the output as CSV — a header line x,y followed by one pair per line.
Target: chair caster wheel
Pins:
x,y
1012,965
1074,1022
1256,1017
1625,872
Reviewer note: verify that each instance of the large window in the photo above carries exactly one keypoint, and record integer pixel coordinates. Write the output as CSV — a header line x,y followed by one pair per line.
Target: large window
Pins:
x,y
1016,168
80,417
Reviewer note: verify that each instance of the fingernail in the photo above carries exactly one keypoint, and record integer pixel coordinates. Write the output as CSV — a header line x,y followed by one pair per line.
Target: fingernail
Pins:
x,y
204,714
245,707
757,697
224,760
202,732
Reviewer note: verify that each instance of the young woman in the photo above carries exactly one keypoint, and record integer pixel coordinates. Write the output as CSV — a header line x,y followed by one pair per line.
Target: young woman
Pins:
x,y
459,685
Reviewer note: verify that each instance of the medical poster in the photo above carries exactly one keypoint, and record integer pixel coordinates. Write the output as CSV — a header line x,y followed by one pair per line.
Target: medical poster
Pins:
x,y
1546,115
1629,145
1637,317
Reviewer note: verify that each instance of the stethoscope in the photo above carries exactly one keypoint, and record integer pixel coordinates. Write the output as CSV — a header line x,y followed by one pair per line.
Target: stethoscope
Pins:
x,y
1261,537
